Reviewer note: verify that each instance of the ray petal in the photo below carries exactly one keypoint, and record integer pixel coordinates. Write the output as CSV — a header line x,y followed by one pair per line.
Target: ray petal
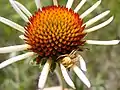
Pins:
x,y
79,6
44,74
82,63
14,48
22,37
55,2
59,76
25,10
82,76
99,25
111,42
66,77
97,18
15,59
38,4
54,88
12,24
69,4
88,11
17,9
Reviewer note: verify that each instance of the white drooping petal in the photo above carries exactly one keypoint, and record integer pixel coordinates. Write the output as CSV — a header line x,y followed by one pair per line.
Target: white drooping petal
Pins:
x,y
14,48
23,9
12,24
18,10
15,59
54,88
69,4
44,74
13,54
58,74
99,25
88,11
66,76
111,42
82,63
82,76
79,6
55,2
95,19
38,4
22,37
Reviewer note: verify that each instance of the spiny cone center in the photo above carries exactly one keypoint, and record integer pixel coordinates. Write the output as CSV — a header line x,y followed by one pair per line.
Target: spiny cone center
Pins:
x,y
54,31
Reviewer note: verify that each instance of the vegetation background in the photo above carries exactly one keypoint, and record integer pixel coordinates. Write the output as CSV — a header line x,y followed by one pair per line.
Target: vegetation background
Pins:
x,y
103,62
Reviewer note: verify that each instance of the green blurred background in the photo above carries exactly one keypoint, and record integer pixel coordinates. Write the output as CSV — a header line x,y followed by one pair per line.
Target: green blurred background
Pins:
x,y
103,62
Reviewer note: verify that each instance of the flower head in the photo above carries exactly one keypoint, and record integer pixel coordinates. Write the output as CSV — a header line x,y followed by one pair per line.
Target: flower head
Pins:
x,y
55,33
